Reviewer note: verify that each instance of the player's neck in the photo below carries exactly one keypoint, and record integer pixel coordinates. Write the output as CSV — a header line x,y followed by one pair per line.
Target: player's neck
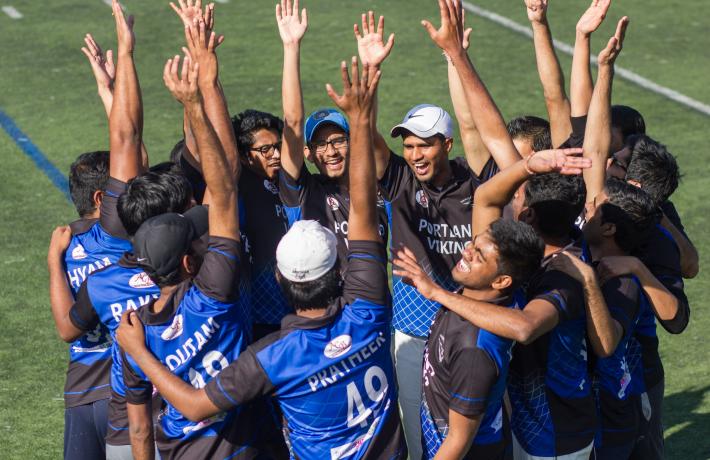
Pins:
x,y
443,176
312,313
484,295
165,293
555,245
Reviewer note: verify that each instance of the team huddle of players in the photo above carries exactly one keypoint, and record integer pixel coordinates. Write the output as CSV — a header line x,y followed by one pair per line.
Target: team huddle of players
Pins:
x,y
231,303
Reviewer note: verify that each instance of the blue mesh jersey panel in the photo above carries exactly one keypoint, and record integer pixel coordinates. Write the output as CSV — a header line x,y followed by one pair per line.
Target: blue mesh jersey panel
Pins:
x,y
268,303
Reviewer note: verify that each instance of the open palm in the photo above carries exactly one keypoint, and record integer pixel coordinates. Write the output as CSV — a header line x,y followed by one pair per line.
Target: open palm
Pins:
x,y
593,17
292,28
370,41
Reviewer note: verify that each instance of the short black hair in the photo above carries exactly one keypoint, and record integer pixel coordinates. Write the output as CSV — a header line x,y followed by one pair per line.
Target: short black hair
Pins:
x,y
536,130
249,121
309,295
520,249
631,210
654,167
628,120
557,201
164,188
88,173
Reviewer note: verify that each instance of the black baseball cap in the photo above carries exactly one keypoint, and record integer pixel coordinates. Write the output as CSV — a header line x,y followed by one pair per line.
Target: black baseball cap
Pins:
x,y
162,241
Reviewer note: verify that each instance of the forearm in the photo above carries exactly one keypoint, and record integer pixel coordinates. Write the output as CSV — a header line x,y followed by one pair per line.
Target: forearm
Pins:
x,y
363,186
453,448
581,85
476,153
106,96
486,117
597,137
140,430
689,259
381,149
602,329
664,303
215,108
190,142
491,197
553,83
61,301
126,121
292,100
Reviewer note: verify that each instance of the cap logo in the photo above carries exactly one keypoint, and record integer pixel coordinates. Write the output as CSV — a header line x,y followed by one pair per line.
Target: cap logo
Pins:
x,y
299,274
338,346
140,281
78,252
174,330
332,203
422,199
270,186
320,115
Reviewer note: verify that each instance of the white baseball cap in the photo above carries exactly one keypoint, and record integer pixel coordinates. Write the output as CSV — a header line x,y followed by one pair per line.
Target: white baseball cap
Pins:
x,y
424,121
306,252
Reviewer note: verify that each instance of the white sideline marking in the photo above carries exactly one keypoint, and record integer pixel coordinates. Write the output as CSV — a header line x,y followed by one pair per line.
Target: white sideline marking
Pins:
x,y
12,12
628,75
222,1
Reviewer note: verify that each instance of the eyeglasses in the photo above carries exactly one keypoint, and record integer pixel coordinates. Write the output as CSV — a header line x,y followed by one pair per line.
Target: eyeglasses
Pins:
x,y
267,151
337,143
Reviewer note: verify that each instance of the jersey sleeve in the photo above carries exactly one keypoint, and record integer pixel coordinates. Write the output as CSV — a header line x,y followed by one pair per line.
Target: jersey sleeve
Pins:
x,y
139,390
109,209
240,382
562,291
218,277
576,138
293,191
489,170
397,177
621,297
83,314
473,374
674,284
365,277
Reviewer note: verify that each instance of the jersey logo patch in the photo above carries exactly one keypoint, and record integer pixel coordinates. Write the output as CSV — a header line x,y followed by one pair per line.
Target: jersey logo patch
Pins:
x,y
78,252
332,203
270,186
440,348
338,346
422,199
140,281
466,201
174,330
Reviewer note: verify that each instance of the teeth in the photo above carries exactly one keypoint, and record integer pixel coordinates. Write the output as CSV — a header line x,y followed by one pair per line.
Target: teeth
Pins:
x,y
463,266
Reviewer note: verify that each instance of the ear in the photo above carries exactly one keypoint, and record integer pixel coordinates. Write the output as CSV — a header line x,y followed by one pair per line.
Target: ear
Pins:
x,y
502,282
189,265
307,153
609,161
98,198
448,145
608,229
528,216
635,183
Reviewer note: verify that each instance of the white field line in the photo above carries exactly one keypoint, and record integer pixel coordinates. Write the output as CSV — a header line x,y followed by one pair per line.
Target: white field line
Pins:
x,y
12,12
626,74
222,1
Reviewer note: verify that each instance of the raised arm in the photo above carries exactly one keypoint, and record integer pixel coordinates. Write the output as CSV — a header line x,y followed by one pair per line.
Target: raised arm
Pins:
x,y
550,72
126,119
581,85
215,169
491,197
486,116
356,102
104,72
292,28
373,51
60,296
689,258
597,137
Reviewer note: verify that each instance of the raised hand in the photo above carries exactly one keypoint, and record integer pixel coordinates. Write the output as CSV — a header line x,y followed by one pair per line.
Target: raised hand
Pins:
x,y
448,37
358,94
102,65
124,29
201,44
593,17
370,41
405,266
183,87
189,10
292,28
130,333
537,10
563,161
608,55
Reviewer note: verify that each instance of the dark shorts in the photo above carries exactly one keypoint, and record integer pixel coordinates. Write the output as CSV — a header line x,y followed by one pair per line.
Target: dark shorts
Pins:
x,y
85,431
650,446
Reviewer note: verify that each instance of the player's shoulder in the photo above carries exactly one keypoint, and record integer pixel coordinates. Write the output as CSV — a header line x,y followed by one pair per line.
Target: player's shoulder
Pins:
x,y
82,226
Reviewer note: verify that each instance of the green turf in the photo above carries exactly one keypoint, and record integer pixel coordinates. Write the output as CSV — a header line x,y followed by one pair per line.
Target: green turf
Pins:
x,y
46,86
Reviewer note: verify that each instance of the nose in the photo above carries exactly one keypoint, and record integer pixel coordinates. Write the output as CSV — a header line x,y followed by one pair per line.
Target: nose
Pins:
x,y
277,153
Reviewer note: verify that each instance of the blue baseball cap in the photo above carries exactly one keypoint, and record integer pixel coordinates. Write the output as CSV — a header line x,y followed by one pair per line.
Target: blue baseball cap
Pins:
x,y
325,116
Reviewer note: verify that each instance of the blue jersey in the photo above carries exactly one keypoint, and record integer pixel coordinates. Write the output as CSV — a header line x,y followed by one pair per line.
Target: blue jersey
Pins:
x,y
332,376
553,410
465,370
91,248
199,331
103,298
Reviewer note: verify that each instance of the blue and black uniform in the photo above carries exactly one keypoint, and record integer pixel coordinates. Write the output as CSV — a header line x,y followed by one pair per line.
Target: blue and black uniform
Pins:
x,y
465,370
198,332
332,376
550,389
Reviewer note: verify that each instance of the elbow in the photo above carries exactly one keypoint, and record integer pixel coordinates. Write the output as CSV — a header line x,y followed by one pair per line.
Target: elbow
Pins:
x,y
690,269
604,351
525,334
67,335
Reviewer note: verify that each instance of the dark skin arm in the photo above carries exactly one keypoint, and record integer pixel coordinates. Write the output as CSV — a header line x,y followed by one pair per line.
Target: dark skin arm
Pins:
x,y
356,101
462,431
60,295
140,430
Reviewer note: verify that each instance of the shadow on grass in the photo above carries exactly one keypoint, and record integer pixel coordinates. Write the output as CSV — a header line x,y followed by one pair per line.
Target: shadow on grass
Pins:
x,y
690,430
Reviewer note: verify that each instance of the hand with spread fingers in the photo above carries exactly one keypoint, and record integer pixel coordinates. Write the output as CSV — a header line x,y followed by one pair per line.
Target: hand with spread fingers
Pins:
x,y
292,28
358,94
370,40
183,87
593,17
608,55
190,10
563,161
102,65
201,45
124,29
449,36
405,265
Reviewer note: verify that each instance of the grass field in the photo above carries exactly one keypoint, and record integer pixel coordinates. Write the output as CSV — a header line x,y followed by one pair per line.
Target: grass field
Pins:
x,y
47,88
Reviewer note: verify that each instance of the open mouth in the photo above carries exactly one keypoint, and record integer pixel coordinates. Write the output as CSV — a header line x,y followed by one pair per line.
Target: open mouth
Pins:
x,y
334,164
463,267
422,168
